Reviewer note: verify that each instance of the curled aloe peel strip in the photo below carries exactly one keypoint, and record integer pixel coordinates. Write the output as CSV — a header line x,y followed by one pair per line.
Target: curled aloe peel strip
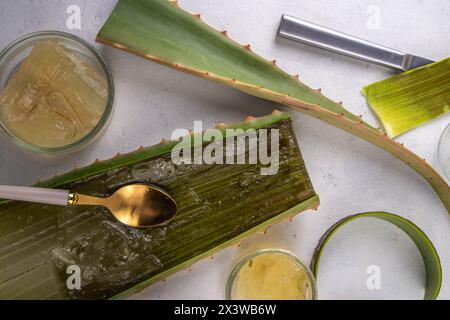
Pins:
x,y
410,99
427,250
160,31
219,206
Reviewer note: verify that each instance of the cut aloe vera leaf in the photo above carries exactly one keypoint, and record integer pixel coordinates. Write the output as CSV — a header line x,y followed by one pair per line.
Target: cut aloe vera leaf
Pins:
x,y
427,250
408,100
219,205
160,31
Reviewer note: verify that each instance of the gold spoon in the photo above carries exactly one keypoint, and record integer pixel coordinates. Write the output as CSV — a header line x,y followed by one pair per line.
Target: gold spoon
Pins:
x,y
136,205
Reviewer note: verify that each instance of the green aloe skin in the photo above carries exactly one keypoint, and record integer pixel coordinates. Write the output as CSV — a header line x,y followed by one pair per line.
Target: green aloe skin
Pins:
x,y
160,31
429,254
219,206
410,99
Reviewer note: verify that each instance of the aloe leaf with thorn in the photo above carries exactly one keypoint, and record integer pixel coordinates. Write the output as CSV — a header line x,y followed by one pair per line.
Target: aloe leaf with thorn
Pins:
x,y
219,205
159,30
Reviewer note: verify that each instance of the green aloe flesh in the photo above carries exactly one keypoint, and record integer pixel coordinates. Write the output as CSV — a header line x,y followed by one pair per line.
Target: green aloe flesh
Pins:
x,y
160,31
410,99
219,205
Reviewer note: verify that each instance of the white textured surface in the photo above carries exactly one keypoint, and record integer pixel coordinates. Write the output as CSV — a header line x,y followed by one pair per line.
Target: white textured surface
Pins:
x,y
350,175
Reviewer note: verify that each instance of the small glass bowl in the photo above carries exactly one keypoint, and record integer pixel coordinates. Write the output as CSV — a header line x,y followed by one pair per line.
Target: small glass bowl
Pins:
x,y
12,56
444,152
230,287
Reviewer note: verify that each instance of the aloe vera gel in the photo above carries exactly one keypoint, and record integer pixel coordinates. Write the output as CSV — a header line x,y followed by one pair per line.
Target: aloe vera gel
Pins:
x,y
271,275
54,98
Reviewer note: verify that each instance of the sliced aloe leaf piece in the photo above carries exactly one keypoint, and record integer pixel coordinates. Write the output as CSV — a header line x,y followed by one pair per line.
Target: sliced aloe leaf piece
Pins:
x,y
160,31
427,250
410,99
219,205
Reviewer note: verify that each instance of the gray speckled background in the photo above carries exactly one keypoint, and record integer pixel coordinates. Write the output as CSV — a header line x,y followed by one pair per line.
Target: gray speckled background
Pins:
x,y
350,175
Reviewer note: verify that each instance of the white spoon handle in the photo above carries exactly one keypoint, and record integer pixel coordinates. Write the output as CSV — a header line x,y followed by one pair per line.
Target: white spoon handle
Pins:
x,y
31,194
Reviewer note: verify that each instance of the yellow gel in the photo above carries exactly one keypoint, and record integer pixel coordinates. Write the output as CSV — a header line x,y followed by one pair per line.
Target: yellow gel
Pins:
x,y
272,276
54,99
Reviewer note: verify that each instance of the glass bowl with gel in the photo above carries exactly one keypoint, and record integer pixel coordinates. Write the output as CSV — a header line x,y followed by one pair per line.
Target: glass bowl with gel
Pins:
x,y
56,92
271,274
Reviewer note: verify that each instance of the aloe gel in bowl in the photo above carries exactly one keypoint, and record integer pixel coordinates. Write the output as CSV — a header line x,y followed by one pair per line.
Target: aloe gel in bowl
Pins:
x,y
271,274
56,92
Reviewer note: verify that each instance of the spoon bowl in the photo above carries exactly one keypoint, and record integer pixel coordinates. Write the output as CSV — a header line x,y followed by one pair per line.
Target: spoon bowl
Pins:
x,y
136,205
141,205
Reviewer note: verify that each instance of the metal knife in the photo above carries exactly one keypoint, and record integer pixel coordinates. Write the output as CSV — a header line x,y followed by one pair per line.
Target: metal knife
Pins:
x,y
318,36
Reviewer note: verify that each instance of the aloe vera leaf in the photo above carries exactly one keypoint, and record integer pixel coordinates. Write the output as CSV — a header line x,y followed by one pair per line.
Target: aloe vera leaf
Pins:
x,y
410,99
427,250
219,205
162,32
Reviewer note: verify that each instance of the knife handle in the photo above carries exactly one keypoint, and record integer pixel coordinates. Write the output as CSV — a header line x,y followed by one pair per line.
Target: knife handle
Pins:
x,y
318,36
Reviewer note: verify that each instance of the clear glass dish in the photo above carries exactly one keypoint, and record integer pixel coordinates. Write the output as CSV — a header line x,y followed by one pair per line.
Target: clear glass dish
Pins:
x,y
444,152
11,58
230,292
